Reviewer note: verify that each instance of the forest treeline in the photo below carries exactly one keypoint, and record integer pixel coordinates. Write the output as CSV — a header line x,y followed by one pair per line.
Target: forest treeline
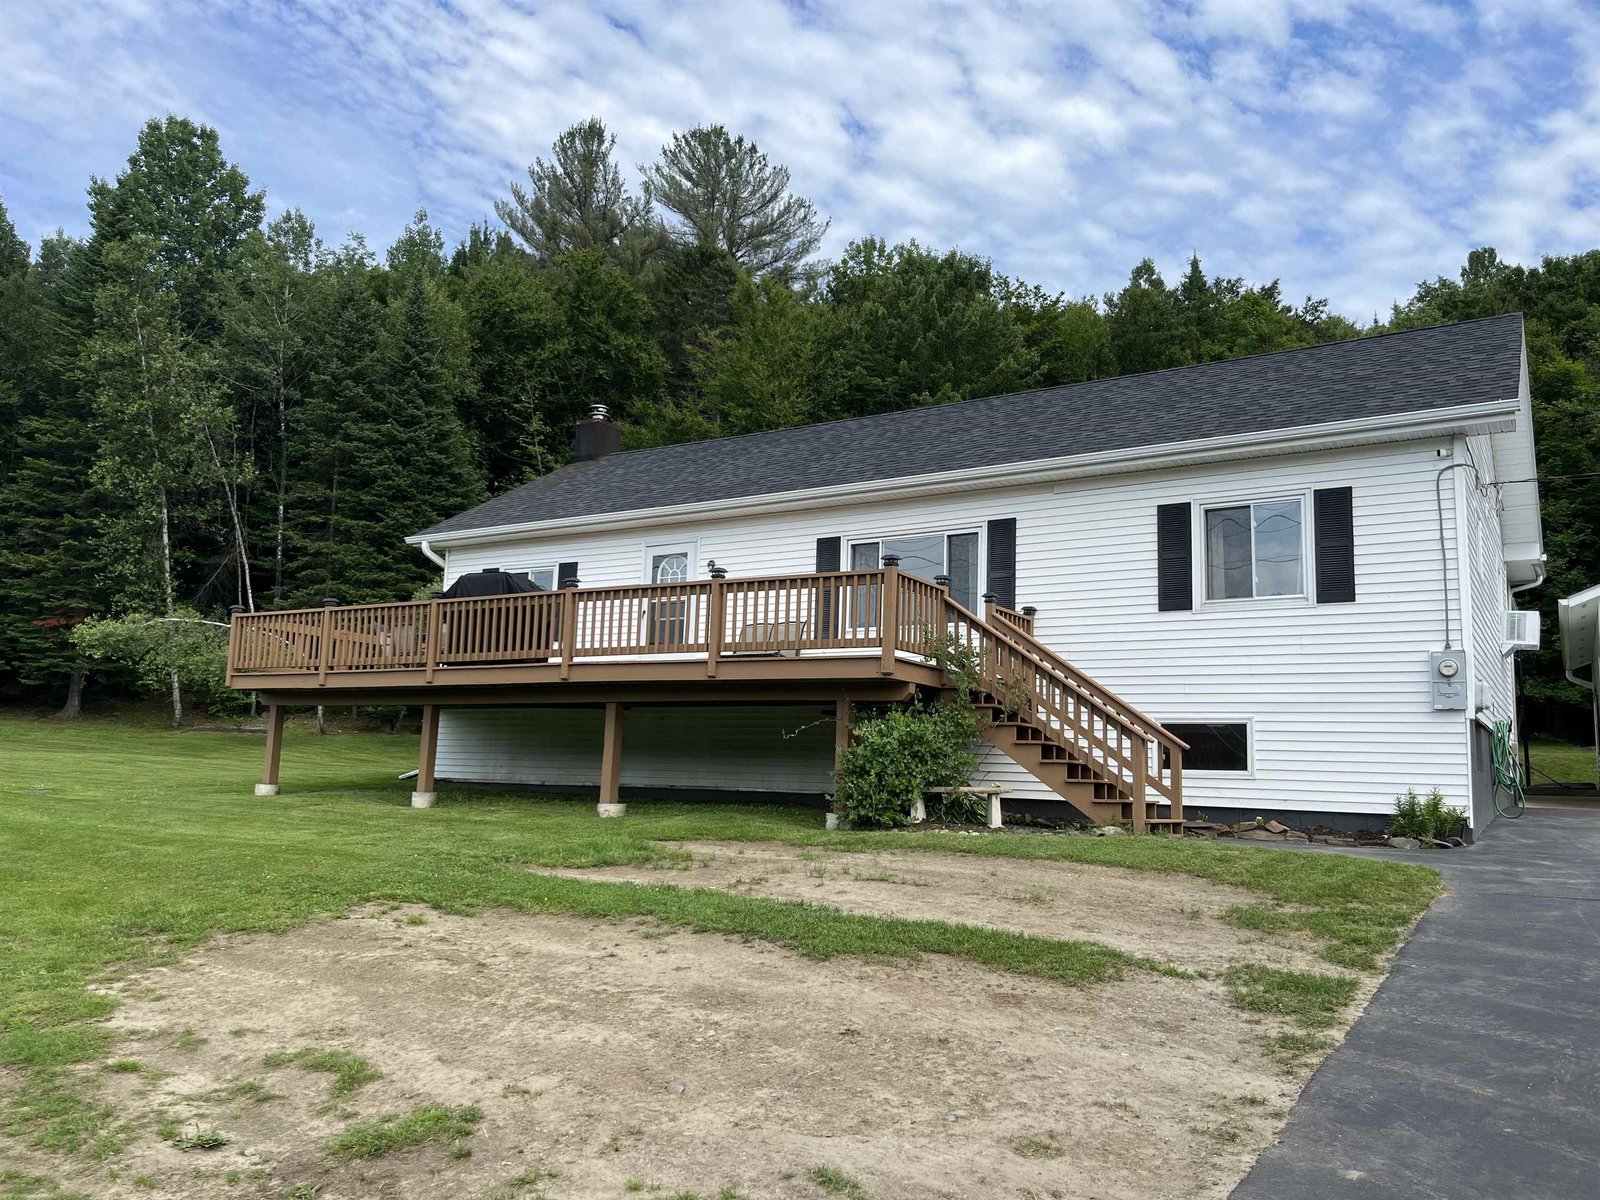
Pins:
x,y
201,407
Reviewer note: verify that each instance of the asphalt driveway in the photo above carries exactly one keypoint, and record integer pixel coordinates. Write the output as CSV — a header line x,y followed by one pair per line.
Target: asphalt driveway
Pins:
x,y
1475,1071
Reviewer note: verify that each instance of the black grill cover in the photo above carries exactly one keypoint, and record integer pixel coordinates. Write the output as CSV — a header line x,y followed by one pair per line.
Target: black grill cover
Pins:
x,y
490,583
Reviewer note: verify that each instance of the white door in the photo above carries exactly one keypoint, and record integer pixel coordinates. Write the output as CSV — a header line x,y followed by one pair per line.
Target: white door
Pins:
x,y
667,620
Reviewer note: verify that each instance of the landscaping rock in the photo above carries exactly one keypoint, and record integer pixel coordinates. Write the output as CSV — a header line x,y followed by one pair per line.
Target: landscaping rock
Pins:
x,y
1436,843
1405,843
1252,834
1107,830
1276,827
1455,841
674,1089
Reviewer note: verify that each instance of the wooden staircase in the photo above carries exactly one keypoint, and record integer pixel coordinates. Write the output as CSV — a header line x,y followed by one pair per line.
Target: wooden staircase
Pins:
x,y
1101,755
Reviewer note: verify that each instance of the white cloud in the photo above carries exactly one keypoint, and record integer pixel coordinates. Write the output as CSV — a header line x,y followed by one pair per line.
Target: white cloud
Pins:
x,y
1350,147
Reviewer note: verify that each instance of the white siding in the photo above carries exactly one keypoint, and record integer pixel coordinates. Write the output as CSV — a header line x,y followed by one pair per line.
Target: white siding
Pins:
x,y
750,748
1337,694
1488,595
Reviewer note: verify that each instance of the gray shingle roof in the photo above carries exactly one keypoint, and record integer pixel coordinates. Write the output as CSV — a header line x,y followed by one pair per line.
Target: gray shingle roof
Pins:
x,y
1417,370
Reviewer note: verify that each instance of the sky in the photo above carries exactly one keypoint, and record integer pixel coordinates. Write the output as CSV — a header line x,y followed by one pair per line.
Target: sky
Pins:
x,y
1348,148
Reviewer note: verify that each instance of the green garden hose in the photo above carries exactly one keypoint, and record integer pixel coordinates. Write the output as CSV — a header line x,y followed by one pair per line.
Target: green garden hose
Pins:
x,y
1507,772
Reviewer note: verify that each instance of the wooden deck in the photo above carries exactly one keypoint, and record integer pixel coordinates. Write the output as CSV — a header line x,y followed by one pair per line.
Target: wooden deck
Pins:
x,y
846,636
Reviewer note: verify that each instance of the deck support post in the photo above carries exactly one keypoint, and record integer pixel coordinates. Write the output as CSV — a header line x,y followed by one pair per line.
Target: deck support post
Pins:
x,y
425,796
611,765
843,722
269,769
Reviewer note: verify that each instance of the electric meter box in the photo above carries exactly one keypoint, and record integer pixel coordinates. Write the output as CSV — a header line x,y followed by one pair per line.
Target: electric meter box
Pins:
x,y
1447,672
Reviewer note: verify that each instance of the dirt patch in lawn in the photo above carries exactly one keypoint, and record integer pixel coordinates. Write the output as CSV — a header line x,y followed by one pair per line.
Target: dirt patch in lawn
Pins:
x,y
1172,918
926,1078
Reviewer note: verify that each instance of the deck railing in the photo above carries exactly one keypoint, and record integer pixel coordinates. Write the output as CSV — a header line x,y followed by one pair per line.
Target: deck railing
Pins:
x,y
884,612
710,618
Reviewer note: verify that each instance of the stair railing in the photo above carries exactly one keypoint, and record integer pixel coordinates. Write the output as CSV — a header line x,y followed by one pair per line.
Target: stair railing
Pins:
x,y
1127,748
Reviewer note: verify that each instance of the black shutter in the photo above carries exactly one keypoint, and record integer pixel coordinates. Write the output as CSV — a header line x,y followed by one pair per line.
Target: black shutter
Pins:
x,y
828,551
565,572
1174,558
1336,546
1002,566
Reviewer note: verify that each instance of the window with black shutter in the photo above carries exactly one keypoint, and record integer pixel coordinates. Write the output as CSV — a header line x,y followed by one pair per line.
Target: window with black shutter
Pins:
x,y
1174,558
1336,545
1002,565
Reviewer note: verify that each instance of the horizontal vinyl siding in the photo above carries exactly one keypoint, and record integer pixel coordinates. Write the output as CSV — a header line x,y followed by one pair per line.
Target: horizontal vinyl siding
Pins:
x,y
747,748
1494,678
1338,694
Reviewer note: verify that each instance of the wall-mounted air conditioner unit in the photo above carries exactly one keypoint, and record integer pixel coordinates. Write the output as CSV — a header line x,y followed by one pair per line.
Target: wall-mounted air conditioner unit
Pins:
x,y
1522,630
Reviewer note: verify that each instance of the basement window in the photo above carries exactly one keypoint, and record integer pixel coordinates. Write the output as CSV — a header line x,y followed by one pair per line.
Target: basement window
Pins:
x,y
1213,746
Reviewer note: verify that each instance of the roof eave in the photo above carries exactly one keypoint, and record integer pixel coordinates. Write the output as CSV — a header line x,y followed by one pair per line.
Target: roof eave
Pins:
x,y
1489,417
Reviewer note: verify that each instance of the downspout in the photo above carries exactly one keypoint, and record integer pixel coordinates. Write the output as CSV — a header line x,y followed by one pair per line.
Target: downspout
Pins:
x,y
1538,581
427,552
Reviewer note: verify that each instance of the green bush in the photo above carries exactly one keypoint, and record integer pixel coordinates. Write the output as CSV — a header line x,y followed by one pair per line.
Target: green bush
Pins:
x,y
1415,817
895,758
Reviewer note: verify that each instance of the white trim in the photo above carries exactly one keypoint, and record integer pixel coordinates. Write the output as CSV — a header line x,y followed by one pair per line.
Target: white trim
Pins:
x,y
1200,567
1494,416
1249,724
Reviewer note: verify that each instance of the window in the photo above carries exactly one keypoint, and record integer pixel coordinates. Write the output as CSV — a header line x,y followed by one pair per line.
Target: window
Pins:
x,y
544,577
1255,550
927,555
1212,747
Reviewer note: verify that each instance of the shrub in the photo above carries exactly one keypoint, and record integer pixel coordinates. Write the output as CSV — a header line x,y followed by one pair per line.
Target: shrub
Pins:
x,y
895,758
1415,817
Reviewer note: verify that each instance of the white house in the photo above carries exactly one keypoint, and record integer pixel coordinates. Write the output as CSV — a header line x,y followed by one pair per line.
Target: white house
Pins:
x,y
1300,564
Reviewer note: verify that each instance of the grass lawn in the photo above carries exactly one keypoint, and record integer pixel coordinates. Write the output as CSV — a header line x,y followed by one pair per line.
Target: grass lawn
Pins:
x,y
1562,762
129,845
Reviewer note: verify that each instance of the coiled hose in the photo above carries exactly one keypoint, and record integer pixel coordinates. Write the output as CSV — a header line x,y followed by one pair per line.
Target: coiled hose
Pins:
x,y
1507,772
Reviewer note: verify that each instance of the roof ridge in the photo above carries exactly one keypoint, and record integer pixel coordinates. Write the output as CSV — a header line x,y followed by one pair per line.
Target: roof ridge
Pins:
x,y
1422,369
1062,387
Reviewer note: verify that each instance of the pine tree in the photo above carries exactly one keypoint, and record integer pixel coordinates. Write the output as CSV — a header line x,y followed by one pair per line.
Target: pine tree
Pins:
x,y
691,293
384,453
729,196
515,328
19,312
49,579
607,353
578,201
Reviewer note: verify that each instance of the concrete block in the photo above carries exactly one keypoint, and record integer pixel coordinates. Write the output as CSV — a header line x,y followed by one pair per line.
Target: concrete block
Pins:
x,y
266,789
424,799
611,810
994,812
919,811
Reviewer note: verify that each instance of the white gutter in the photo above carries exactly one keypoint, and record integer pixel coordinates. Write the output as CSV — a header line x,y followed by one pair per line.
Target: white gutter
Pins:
x,y
1538,580
427,551
1255,444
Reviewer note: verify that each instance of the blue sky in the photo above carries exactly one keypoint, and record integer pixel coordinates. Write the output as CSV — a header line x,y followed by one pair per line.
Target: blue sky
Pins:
x,y
1348,147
